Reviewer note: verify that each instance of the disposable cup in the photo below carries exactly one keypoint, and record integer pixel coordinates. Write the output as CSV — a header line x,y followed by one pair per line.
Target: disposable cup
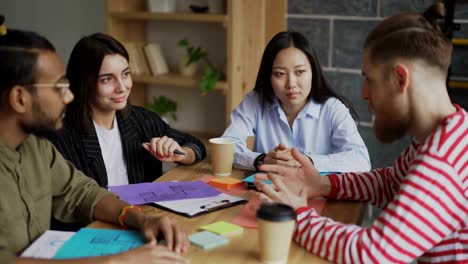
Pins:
x,y
222,155
276,223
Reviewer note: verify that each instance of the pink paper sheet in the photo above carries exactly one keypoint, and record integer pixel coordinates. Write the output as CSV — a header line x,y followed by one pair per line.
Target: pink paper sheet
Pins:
x,y
247,215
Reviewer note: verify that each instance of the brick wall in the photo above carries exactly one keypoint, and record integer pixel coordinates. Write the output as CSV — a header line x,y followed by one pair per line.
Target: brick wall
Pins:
x,y
337,29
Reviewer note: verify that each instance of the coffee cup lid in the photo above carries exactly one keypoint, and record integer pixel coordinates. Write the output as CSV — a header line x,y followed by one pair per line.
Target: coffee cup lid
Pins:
x,y
276,212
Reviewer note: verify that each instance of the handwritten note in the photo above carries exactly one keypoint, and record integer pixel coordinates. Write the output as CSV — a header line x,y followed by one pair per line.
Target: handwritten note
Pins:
x,y
199,206
143,193
47,244
91,242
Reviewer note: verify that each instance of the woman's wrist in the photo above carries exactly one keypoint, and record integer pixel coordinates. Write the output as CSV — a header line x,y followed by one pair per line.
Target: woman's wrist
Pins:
x,y
259,160
189,157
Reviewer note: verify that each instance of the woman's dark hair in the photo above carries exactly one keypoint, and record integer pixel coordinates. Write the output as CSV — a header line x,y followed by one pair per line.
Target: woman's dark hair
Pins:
x,y
18,58
83,70
321,89
412,35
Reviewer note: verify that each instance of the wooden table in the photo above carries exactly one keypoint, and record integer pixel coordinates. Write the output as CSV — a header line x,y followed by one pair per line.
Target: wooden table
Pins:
x,y
242,248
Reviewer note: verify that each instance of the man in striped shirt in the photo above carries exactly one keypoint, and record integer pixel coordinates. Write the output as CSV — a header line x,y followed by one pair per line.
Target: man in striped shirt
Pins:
x,y
424,195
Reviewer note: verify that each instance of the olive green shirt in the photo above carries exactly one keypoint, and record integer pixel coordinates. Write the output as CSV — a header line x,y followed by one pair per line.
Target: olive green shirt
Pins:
x,y
36,182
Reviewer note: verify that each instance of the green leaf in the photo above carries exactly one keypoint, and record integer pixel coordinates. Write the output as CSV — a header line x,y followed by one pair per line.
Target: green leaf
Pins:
x,y
208,82
194,54
183,42
163,106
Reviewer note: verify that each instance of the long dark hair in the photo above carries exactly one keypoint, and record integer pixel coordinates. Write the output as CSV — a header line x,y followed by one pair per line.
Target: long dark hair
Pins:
x,y
83,72
321,89
18,58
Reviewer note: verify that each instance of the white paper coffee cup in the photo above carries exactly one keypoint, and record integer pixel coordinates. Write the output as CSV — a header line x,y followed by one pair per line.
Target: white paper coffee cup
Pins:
x,y
222,155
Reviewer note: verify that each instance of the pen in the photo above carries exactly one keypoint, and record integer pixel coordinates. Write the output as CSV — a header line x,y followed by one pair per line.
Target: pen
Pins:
x,y
179,152
175,151
221,204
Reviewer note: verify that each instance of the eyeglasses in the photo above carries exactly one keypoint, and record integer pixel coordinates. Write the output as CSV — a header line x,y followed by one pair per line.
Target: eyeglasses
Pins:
x,y
62,86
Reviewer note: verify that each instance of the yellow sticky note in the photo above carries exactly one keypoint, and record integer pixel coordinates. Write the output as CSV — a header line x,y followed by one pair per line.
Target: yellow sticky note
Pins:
x,y
223,228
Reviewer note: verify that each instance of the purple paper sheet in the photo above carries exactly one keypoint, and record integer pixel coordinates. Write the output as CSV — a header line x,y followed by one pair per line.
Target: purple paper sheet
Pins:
x,y
143,193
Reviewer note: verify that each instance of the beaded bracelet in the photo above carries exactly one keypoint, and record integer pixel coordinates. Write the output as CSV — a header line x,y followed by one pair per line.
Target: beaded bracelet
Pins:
x,y
124,212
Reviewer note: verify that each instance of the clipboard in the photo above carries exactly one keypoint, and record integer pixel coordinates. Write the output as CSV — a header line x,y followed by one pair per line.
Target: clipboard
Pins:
x,y
196,207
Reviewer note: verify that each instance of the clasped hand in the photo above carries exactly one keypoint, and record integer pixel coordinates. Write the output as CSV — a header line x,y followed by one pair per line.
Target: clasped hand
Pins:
x,y
281,155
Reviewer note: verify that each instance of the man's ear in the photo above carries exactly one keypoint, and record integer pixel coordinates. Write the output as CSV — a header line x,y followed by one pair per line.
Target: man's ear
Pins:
x,y
402,76
19,98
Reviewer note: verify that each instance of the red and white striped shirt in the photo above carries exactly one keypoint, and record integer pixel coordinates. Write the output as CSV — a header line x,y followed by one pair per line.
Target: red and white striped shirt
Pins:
x,y
424,197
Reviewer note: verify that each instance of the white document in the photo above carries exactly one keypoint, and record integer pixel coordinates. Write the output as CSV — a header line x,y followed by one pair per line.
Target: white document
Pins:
x,y
47,244
193,207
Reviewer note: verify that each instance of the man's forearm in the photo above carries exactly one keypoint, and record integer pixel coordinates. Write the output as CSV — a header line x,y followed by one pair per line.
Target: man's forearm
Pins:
x,y
108,209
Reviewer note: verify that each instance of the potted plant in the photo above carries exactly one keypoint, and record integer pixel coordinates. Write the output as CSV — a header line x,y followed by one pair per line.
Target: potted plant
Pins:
x,y
188,63
164,107
188,66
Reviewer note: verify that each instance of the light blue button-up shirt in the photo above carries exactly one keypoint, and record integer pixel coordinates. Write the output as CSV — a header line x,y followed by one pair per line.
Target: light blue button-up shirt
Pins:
x,y
325,132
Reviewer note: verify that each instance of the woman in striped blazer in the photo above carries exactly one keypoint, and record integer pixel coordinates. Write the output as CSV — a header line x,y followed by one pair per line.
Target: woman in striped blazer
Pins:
x,y
104,136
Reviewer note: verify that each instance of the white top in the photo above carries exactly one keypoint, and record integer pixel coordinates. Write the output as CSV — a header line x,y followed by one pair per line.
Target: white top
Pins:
x,y
325,132
111,150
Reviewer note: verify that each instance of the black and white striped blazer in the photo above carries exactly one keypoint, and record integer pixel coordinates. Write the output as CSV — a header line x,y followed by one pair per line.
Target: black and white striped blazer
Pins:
x,y
140,126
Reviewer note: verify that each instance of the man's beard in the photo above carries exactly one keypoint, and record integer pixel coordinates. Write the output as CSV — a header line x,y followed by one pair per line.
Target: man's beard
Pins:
x,y
391,127
43,126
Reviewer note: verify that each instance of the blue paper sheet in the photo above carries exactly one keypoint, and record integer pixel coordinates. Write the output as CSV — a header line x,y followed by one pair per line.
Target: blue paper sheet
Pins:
x,y
323,173
92,242
143,193
250,179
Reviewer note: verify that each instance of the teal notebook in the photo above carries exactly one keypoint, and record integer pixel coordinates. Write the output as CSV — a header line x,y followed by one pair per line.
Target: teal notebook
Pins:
x,y
250,179
92,242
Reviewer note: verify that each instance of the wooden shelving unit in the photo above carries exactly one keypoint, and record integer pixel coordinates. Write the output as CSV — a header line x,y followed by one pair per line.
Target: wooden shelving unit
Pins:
x,y
208,18
450,6
459,85
249,24
460,42
176,79
454,83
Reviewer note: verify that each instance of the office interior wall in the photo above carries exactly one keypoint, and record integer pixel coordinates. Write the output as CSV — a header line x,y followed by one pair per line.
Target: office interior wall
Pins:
x,y
63,22
337,30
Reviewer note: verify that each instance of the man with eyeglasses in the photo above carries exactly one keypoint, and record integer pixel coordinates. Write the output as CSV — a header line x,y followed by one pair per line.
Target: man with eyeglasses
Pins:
x,y
36,181
44,122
